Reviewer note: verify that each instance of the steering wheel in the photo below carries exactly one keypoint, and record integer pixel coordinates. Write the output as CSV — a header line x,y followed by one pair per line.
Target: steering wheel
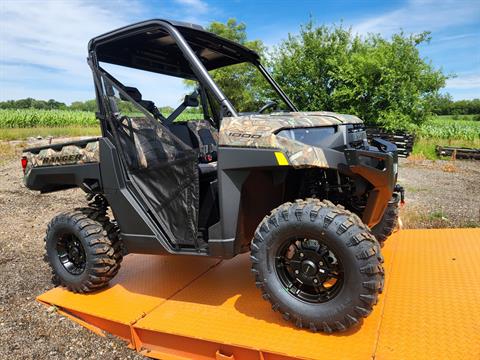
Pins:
x,y
268,105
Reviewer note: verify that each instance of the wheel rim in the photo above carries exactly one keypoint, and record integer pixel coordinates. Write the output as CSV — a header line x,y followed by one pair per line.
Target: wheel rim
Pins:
x,y
309,270
71,254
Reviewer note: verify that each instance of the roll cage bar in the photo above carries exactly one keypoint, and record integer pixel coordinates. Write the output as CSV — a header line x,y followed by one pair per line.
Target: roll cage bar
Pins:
x,y
148,46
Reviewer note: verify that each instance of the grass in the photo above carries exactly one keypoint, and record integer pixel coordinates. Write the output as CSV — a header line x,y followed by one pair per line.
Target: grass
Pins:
x,y
10,151
67,131
457,117
413,217
426,146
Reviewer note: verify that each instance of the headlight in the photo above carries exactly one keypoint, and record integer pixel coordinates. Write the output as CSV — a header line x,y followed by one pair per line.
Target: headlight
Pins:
x,y
308,136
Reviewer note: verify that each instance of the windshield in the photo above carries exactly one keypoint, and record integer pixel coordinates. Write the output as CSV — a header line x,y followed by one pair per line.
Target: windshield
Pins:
x,y
247,89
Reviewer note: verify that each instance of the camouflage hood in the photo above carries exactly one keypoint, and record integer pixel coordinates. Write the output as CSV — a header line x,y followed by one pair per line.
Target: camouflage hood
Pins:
x,y
258,130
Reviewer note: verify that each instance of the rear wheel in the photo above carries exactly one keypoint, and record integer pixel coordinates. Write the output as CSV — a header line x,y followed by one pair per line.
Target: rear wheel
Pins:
x,y
389,221
82,250
317,264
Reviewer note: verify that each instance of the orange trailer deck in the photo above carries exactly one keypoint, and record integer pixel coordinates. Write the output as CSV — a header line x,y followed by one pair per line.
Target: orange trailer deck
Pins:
x,y
197,308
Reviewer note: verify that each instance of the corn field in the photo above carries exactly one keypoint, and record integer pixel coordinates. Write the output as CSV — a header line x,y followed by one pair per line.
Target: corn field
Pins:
x,y
24,118
444,128
28,118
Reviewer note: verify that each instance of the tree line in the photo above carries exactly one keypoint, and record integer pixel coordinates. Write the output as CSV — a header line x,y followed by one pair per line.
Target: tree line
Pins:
x,y
30,103
88,105
444,105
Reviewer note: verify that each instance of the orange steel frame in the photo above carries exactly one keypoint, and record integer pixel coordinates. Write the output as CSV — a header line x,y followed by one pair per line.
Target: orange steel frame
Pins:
x,y
176,307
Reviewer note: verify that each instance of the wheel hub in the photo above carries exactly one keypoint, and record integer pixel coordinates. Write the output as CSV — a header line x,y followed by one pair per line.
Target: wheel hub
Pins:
x,y
309,270
74,253
71,254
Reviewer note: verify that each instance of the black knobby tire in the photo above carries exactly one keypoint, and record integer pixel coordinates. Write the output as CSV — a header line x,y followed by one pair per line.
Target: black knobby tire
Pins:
x,y
361,274
389,221
99,214
95,238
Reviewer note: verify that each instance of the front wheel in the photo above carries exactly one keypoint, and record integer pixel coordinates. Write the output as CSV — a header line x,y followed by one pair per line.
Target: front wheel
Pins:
x,y
317,264
389,221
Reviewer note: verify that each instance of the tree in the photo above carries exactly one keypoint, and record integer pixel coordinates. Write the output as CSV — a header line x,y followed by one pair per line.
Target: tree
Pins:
x,y
30,103
88,105
385,82
241,83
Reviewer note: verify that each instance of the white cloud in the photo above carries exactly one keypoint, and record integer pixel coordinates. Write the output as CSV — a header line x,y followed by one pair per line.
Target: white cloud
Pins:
x,y
465,81
198,6
421,15
458,37
47,41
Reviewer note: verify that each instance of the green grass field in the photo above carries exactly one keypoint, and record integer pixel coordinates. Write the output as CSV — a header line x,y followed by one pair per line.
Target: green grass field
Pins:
x,y
64,131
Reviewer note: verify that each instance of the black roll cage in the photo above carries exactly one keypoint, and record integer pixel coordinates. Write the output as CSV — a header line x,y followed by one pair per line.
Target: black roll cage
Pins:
x,y
200,73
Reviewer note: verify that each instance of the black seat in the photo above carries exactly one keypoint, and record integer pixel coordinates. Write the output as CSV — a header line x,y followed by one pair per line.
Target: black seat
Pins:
x,y
204,133
181,131
136,95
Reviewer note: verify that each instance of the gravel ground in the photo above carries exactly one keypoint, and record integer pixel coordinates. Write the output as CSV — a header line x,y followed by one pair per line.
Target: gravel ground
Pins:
x,y
438,194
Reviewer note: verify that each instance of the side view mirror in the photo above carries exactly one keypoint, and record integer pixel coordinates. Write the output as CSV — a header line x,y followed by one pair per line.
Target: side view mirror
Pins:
x,y
191,100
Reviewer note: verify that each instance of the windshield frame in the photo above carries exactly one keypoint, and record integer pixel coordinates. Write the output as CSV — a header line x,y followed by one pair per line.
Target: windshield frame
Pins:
x,y
276,87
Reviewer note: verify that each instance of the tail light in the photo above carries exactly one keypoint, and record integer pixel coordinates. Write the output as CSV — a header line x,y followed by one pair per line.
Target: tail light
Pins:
x,y
24,163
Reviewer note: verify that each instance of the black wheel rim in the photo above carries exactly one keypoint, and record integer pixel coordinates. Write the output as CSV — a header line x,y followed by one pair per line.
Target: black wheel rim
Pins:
x,y
71,254
309,270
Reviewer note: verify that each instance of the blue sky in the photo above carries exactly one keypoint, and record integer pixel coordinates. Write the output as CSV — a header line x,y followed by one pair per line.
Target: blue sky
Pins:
x,y
43,43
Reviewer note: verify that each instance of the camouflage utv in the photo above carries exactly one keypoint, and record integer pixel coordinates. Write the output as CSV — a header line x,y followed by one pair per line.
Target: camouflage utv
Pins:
x,y
304,193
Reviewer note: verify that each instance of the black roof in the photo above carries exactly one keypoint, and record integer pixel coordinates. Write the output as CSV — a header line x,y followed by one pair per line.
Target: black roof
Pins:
x,y
148,45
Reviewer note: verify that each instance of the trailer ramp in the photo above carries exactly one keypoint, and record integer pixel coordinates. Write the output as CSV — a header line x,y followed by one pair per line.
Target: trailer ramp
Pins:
x,y
197,308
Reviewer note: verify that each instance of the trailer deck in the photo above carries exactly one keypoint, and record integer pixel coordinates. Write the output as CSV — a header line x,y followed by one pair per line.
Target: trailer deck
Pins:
x,y
198,308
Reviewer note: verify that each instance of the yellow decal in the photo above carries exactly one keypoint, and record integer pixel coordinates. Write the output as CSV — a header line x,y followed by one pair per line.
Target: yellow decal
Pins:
x,y
281,159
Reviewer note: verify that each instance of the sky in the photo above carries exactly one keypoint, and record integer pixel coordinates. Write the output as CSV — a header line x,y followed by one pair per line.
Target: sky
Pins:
x,y
43,43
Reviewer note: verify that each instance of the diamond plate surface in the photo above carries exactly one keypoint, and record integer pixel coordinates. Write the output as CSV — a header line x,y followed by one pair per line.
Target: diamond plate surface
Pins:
x,y
432,305
143,282
429,309
224,306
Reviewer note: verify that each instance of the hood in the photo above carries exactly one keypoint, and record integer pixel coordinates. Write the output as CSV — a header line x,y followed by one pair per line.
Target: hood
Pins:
x,y
258,130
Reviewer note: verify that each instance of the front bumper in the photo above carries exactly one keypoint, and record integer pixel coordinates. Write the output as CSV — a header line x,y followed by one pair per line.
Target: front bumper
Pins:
x,y
379,166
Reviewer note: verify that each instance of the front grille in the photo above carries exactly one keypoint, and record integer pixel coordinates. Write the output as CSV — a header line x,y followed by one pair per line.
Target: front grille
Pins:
x,y
356,135
354,128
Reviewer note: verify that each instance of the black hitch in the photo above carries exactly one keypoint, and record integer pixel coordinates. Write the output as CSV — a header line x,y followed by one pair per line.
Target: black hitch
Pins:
x,y
399,189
